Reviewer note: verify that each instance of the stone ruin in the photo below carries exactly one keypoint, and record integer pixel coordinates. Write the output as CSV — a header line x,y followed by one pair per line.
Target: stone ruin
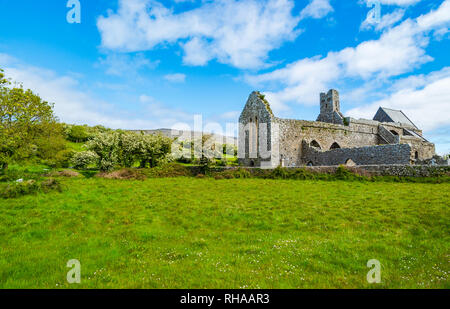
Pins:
x,y
267,141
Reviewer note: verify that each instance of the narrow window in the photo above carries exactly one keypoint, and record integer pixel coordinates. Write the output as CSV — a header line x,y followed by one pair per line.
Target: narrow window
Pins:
x,y
335,146
314,143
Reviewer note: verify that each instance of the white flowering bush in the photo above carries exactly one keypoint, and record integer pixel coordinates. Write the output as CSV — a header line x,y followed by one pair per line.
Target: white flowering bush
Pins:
x,y
126,148
81,160
106,146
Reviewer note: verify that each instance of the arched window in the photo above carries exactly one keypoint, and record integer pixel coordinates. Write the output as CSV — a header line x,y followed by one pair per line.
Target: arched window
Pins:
x,y
257,133
416,155
335,146
314,143
310,163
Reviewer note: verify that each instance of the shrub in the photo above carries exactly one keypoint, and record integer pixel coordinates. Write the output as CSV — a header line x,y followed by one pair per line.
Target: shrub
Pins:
x,y
168,170
17,189
106,164
342,173
81,160
235,173
51,184
279,172
126,173
222,162
65,173
63,158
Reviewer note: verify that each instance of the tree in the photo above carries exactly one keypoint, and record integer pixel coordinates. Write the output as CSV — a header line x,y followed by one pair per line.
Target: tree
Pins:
x,y
154,149
25,121
106,146
78,134
125,148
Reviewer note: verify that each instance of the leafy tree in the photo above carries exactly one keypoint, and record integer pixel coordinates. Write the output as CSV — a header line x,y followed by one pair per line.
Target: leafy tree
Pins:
x,y
131,145
81,160
105,145
154,150
78,134
28,126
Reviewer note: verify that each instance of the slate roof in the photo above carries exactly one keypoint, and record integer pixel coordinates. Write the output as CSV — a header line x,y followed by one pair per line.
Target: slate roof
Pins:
x,y
392,115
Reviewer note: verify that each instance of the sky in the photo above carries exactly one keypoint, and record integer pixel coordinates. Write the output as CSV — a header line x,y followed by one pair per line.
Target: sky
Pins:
x,y
147,64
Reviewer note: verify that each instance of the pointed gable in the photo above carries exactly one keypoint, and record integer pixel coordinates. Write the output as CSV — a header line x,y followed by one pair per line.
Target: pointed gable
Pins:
x,y
392,115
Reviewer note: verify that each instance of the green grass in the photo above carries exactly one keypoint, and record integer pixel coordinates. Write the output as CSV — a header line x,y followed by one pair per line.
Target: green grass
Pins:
x,y
238,233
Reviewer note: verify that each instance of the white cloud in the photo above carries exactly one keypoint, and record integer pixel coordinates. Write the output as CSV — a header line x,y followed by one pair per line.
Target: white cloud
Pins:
x,y
403,3
399,2
175,78
424,98
240,33
317,9
436,18
399,50
74,105
387,20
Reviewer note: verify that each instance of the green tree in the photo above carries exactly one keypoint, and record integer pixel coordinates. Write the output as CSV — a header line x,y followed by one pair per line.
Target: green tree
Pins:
x,y
154,150
25,119
78,134
106,146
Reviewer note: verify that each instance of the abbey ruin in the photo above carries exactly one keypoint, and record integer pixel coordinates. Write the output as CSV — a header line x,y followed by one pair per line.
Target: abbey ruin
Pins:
x,y
333,139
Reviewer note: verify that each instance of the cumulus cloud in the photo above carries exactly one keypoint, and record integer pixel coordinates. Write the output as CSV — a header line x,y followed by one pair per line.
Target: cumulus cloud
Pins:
x,y
425,98
436,18
239,33
74,104
387,20
403,3
399,2
317,9
399,50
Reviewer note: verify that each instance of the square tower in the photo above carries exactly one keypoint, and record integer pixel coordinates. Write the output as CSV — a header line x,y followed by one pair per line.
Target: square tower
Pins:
x,y
330,108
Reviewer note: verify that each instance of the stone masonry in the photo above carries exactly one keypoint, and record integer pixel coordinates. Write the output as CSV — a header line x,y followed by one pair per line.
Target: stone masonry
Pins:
x,y
268,141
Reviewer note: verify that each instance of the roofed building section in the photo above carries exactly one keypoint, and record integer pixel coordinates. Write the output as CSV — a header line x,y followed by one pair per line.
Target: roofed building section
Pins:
x,y
268,141
392,115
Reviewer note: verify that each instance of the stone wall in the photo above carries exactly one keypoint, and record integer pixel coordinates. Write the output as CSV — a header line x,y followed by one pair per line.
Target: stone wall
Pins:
x,y
256,132
420,149
389,170
367,170
293,132
369,155
288,135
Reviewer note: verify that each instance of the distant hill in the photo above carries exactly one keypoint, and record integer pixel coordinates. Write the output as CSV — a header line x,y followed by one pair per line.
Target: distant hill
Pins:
x,y
182,135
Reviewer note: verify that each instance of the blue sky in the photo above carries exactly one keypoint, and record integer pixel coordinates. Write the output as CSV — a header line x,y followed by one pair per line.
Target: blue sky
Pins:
x,y
143,64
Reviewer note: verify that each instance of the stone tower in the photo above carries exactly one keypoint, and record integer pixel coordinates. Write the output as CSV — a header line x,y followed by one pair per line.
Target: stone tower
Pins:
x,y
330,109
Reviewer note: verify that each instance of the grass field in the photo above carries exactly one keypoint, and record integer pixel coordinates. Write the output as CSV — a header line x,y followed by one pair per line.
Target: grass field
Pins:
x,y
238,233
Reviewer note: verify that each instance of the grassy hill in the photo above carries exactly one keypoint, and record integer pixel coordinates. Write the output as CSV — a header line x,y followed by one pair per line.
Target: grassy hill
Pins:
x,y
233,233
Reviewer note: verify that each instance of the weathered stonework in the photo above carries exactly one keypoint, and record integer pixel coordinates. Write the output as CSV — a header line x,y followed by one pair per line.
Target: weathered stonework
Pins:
x,y
332,140
368,155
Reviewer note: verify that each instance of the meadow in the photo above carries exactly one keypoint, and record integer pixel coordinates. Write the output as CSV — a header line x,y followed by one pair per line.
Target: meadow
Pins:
x,y
187,232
